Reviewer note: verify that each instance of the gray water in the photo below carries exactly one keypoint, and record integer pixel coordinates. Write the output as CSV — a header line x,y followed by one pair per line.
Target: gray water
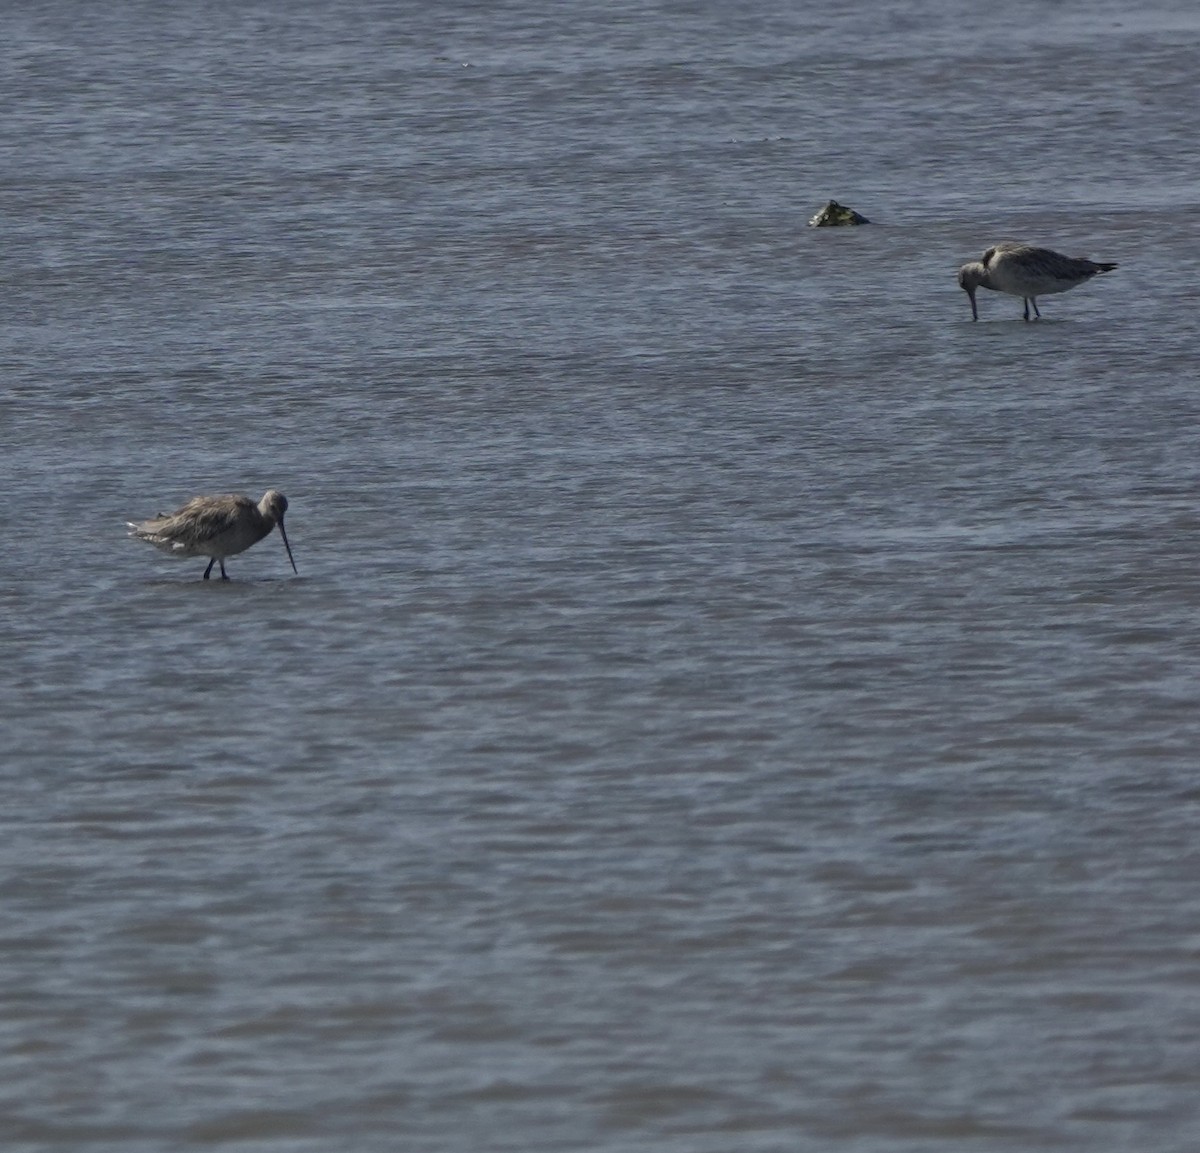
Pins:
x,y
729,701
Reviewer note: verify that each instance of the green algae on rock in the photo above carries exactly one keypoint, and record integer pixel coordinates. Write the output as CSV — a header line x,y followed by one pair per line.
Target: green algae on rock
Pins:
x,y
833,215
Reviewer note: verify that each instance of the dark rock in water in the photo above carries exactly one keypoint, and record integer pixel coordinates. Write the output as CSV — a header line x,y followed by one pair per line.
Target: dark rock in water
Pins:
x,y
834,215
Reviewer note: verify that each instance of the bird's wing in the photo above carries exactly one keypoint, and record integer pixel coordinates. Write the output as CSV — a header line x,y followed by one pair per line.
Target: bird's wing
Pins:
x,y
1059,267
205,517
200,520
1002,247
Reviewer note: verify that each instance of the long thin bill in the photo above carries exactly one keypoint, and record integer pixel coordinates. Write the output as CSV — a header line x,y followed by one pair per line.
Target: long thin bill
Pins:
x,y
974,310
283,533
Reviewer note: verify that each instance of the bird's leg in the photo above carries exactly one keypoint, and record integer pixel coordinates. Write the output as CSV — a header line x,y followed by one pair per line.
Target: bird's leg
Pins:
x,y
1033,301
224,574
1025,301
209,569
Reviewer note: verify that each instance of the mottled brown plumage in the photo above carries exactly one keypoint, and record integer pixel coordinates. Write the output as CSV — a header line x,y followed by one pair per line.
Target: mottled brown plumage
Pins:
x,y
216,527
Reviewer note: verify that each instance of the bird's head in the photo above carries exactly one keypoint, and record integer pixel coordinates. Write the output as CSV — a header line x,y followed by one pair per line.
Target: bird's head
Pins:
x,y
272,506
970,277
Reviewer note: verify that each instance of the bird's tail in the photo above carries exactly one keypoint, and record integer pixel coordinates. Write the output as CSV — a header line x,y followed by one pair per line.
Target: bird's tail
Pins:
x,y
1105,267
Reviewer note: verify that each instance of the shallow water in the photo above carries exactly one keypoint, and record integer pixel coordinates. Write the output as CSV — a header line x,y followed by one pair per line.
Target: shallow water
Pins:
x,y
729,699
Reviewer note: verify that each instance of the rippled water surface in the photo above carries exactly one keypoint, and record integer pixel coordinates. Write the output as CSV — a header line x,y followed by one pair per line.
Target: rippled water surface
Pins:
x,y
729,701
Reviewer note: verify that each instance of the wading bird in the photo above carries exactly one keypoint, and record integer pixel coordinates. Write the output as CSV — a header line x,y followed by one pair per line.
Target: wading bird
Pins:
x,y
216,527
1026,271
